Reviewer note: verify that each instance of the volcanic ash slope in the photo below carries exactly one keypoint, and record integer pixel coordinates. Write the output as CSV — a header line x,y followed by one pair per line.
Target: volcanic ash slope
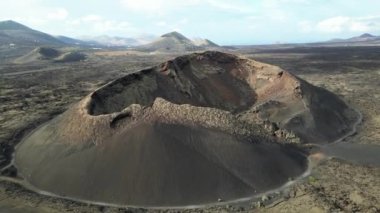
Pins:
x,y
189,131
50,54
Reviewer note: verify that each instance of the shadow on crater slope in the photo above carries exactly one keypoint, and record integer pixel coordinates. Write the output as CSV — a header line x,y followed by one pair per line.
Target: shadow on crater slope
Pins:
x,y
159,165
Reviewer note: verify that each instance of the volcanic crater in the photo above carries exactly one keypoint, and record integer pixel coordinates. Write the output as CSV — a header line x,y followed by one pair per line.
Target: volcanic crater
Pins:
x,y
193,130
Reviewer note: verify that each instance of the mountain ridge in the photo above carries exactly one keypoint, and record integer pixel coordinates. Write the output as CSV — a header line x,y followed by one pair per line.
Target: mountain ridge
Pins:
x,y
176,42
12,32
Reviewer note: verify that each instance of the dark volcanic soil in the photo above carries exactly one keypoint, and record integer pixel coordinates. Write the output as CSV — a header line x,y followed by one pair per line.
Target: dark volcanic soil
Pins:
x,y
361,154
158,165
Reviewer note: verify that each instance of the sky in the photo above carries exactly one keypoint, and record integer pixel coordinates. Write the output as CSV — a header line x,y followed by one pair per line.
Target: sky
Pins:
x,y
225,22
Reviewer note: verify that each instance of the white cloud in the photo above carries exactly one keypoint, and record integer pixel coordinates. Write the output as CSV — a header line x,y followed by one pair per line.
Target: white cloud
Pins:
x,y
91,18
276,9
183,21
280,3
94,23
111,25
175,25
161,24
58,14
305,26
359,27
334,24
162,7
31,12
228,6
341,24
35,14
142,5
156,6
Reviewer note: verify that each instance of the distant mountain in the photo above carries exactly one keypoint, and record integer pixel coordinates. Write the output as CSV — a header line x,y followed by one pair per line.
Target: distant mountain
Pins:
x,y
365,38
170,42
12,25
177,36
176,42
367,35
105,40
72,41
204,43
13,33
116,41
